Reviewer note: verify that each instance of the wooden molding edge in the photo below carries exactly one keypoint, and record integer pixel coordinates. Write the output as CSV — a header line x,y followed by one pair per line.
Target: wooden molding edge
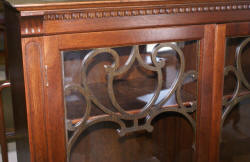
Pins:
x,y
141,11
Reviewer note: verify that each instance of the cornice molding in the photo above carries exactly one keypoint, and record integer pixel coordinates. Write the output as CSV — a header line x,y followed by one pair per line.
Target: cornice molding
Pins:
x,y
31,26
148,10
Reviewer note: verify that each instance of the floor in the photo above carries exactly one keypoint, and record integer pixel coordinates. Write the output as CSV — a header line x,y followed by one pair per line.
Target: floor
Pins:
x,y
11,152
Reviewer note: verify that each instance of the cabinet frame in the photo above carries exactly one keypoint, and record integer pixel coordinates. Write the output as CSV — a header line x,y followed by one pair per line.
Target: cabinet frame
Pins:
x,y
50,69
39,39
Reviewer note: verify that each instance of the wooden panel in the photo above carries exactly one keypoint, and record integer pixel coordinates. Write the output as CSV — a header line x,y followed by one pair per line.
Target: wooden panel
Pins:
x,y
128,37
34,86
117,23
31,26
210,89
55,123
238,29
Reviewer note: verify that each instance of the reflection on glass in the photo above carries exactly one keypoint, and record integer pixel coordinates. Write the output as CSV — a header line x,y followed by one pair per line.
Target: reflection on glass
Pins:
x,y
131,103
235,135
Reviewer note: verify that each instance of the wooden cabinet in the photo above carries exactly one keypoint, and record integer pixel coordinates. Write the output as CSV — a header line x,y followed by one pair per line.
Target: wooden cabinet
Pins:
x,y
135,81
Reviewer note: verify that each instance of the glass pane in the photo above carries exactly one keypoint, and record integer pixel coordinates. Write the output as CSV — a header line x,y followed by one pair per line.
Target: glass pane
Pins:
x,y
131,103
235,136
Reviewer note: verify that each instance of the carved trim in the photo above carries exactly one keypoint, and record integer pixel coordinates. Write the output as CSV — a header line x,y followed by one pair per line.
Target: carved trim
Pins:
x,y
135,11
31,25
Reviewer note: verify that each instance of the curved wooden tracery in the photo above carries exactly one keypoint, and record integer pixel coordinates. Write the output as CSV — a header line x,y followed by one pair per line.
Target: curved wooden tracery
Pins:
x,y
236,97
152,109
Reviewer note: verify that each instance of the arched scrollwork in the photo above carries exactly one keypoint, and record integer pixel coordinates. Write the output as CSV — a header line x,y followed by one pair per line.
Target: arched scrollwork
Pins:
x,y
193,75
238,62
135,55
147,113
76,88
230,102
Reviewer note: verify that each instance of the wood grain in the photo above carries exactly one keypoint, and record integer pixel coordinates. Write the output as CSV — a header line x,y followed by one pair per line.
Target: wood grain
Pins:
x,y
144,21
210,89
129,37
54,101
34,87
238,29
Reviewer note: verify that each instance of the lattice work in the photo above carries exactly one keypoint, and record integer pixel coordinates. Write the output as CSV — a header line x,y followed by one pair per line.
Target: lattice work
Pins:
x,y
230,102
149,111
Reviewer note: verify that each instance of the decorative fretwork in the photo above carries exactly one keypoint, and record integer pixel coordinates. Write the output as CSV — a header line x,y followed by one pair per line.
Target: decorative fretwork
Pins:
x,y
93,13
152,109
229,102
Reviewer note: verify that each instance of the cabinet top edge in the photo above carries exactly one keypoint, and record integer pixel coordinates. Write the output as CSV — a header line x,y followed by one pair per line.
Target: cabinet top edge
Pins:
x,y
35,5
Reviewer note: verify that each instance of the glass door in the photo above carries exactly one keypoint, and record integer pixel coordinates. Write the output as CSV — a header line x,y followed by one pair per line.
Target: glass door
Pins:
x,y
235,133
131,103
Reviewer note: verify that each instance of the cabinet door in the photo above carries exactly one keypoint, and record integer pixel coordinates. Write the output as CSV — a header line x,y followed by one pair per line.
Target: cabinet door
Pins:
x,y
235,134
131,103
139,95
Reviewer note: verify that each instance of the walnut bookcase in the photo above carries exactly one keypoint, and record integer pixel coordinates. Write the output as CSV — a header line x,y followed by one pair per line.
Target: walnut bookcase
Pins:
x,y
126,81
